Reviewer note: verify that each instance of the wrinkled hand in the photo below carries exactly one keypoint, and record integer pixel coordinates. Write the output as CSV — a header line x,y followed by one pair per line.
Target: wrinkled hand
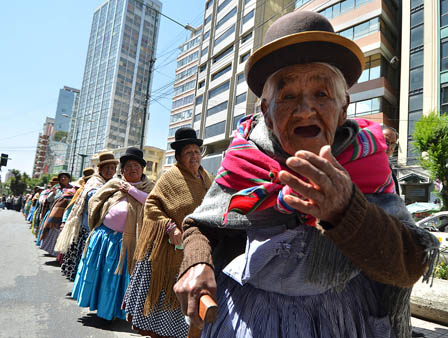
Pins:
x,y
124,187
175,236
329,189
199,280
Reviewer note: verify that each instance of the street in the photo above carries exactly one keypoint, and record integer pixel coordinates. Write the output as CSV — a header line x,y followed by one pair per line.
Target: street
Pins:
x,y
33,294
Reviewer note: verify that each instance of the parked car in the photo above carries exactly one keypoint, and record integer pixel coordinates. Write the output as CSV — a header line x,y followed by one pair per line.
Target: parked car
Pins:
x,y
438,225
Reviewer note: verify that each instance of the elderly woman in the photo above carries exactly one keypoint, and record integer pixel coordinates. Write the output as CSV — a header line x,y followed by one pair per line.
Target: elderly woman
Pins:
x,y
75,231
115,215
298,214
150,301
57,200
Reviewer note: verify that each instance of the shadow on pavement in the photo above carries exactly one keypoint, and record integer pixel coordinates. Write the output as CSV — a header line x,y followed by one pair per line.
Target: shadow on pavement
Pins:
x,y
53,263
92,320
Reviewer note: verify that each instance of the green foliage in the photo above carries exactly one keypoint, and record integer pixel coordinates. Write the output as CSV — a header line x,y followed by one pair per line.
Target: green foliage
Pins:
x,y
16,183
431,140
441,270
60,136
20,183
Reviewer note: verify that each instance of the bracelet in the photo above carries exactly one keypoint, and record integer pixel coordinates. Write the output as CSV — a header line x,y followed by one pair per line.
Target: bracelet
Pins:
x,y
170,227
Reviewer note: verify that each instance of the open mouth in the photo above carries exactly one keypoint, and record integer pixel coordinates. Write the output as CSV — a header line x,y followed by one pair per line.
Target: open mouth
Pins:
x,y
307,131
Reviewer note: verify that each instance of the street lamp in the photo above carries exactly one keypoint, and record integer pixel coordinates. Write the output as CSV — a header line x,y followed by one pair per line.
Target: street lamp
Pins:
x,y
83,156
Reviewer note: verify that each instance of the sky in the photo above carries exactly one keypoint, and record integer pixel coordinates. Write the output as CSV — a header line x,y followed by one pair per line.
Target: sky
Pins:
x,y
43,49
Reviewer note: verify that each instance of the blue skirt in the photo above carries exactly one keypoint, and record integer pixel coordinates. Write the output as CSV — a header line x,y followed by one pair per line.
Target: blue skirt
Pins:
x,y
96,284
249,312
30,214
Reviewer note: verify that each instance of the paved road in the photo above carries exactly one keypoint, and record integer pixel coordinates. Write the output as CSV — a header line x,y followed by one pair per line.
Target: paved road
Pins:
x,y
32,294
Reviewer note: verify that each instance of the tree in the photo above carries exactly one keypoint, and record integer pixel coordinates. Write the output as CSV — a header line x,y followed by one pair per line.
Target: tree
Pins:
x,y
60,136
16,183
431,140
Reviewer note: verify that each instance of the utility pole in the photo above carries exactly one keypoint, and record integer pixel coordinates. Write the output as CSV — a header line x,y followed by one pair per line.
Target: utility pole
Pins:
x,y
83,156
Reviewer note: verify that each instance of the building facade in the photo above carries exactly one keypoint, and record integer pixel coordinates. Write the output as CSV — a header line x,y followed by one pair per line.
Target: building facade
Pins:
x,y
66,102
40,167
114,99
184,89
233,30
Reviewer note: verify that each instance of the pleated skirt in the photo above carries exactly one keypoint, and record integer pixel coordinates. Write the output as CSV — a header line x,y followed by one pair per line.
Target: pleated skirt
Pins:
x,y
96,285
246,312
73,256
164,322
49,242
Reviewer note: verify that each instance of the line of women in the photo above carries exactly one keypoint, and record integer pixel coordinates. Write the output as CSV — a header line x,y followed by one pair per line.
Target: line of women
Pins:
x,y
121,239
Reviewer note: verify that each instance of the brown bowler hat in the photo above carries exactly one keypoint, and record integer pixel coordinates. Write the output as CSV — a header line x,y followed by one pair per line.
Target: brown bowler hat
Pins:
x,y
105,158
302,37
87,173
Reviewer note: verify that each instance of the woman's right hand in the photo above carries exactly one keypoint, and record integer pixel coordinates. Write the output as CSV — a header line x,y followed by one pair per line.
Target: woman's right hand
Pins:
x,y
197,281
175,236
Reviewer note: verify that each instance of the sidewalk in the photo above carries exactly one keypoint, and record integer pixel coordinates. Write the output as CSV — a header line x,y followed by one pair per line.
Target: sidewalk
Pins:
x,y
431,330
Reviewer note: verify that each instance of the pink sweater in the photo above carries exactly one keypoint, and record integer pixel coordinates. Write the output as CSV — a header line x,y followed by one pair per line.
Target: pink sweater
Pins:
x,y
116,217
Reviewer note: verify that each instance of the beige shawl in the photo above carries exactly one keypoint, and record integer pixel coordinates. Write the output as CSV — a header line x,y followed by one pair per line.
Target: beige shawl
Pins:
x,y
176,194
70,232
104,199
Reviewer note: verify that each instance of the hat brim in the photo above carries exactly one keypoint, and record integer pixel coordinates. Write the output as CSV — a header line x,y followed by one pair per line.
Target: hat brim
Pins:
x,y
125,158
66,174
181,143
301,48
114,161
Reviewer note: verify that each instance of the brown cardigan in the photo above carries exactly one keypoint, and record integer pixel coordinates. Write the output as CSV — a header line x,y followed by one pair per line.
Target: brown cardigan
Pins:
x,y
377,243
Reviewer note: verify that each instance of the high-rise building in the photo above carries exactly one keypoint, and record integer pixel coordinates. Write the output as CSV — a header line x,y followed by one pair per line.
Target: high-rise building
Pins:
x,y
232,30
184,89
39,167
113,103
64,108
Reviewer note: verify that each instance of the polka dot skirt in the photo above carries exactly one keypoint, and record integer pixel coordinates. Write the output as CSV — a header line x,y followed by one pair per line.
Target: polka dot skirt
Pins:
x,y
73,256
164,322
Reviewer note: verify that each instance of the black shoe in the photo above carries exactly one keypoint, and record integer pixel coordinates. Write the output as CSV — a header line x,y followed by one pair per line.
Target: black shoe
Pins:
x,y
68,294
417,334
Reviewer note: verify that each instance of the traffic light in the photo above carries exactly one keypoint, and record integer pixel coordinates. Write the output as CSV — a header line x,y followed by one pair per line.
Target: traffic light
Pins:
x,y
4,160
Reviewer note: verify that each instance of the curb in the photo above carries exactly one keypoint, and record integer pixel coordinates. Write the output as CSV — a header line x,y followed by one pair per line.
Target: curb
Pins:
x,y
431,303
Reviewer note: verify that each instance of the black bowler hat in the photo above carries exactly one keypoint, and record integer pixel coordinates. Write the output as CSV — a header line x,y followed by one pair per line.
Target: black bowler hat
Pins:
x,y
64,173
302,37
133,153
184,136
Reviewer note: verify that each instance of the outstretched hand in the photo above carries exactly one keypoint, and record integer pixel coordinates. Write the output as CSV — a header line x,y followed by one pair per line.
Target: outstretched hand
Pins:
x,y
327,194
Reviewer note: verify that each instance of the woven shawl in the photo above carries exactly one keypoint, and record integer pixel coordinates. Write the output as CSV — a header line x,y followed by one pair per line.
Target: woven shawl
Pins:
x,y
176,194
70,232
100,204
54,219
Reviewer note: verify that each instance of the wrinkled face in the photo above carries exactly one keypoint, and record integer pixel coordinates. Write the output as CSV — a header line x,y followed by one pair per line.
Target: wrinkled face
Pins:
x,y
64,180
108,170
303,105
132,171
391,141
190,157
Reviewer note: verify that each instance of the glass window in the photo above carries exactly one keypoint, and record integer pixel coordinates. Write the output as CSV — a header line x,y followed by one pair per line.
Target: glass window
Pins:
x,y
416,102
347,5
223,54
237,119
348,33
248,36
443,13
415,3
416,59
361,30
207,19
223,4
444,55
417,36
241,98
226,18
197,117
240,78
413,118
201,84
217,109
208,4
244,57
202,68
444,100
206,35
224,35
221,72
218,90
204,51
416,79
198,100
215,129
248,16
417,18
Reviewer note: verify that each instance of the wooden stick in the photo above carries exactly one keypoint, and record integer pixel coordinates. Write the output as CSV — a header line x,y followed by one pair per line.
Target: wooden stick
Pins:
x,y
208,311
